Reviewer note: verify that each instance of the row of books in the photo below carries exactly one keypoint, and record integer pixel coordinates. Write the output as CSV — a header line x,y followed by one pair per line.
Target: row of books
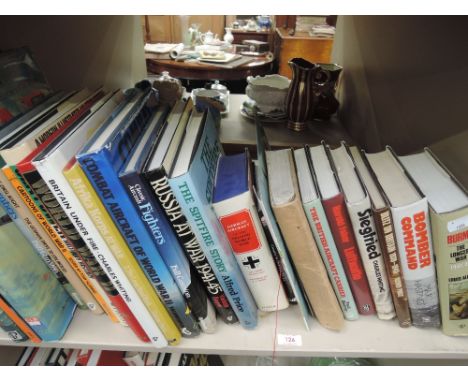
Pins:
x,y
35,356
117,205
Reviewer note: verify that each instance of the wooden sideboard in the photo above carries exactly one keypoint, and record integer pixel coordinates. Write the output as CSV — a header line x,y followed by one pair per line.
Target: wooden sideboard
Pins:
x,y
313,49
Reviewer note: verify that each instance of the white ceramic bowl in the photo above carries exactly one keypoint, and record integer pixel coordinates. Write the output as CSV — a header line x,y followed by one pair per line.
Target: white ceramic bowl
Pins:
x,y
269,92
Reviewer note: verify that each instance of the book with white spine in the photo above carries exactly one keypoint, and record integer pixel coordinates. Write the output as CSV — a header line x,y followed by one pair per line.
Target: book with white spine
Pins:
x,y
362,220
50,168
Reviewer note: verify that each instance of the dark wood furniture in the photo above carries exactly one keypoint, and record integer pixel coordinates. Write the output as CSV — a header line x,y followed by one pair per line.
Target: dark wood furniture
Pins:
x,y
193,70
313,49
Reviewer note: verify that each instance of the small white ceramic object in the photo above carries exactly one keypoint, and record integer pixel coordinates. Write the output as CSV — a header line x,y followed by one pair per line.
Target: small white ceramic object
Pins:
x,y
269,92
228,37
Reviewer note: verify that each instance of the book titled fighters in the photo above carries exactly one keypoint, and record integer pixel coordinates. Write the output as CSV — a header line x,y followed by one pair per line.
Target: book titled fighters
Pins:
x,y
287,207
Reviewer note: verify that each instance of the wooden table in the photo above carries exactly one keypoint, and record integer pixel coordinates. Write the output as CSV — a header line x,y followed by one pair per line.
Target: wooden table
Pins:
x,y
194,70
238,131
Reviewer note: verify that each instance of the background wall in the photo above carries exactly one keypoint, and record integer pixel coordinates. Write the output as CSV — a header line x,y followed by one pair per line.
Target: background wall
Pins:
x,y
405,79
75,51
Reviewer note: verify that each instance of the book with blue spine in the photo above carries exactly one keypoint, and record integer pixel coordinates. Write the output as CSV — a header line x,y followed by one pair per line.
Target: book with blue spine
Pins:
x,y
101,159
29,287
158,163
153,217
192,180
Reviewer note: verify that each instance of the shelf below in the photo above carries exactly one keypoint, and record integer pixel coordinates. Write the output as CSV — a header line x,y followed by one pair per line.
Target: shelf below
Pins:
x,y
367,337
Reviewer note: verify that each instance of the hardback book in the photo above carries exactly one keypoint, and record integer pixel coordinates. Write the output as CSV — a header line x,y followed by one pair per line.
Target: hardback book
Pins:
x,y
16,149
158,163
25,357
359,209
58,357
101,160
310,196
410,215
286,269
286,203
50,166
158,226
29,287
448,204
55,216
333,202
192,181
12,326
234,205
165,331
387,239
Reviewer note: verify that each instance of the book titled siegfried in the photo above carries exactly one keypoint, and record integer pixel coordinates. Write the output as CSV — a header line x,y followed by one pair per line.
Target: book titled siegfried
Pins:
x,y
155,173
101,159
155,221
192,180
359,209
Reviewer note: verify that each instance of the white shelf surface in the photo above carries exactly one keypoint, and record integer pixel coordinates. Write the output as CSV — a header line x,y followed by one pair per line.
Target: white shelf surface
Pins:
x,y
366,337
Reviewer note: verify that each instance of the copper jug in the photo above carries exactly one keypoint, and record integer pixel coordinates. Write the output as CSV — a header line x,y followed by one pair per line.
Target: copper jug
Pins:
x,y
299,101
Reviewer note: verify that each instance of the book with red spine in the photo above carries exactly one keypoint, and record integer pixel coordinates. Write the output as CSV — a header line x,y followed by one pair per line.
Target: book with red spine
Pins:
x,y
335,209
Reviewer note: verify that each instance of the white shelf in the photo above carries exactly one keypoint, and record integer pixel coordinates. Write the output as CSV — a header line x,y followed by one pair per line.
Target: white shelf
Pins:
x,y
367,337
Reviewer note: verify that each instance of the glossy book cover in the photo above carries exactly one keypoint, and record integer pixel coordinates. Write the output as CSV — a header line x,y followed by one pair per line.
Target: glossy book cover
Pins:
x,y
28,285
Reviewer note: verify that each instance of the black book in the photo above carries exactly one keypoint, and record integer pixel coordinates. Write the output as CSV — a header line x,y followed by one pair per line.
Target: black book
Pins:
x,y
158,164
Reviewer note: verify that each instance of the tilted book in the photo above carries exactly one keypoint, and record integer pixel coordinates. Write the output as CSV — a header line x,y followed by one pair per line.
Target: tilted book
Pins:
x,y
192,180
53,212
287,206
50,166
101,159
449,221
29,287
155,170
286,269
157,225
233,203
17,149
387,239
310,196
333,202
165,332
362,221
410,213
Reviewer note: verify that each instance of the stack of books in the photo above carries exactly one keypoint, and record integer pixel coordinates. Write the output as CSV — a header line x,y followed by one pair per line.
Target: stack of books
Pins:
x,y
113,204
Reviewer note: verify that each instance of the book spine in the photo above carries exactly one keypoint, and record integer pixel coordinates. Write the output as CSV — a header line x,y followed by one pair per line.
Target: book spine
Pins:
x,y
326,245
277,258
18,321
102,176
102,289
150,309
11,329
386,233
362,222
414,241
209,234
19,213
111,275
347,249
173,212
450,234
243,230
73,271
171,251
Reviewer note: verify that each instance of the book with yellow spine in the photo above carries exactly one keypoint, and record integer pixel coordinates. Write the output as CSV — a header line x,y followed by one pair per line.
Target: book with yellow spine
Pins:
x,y
99,215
